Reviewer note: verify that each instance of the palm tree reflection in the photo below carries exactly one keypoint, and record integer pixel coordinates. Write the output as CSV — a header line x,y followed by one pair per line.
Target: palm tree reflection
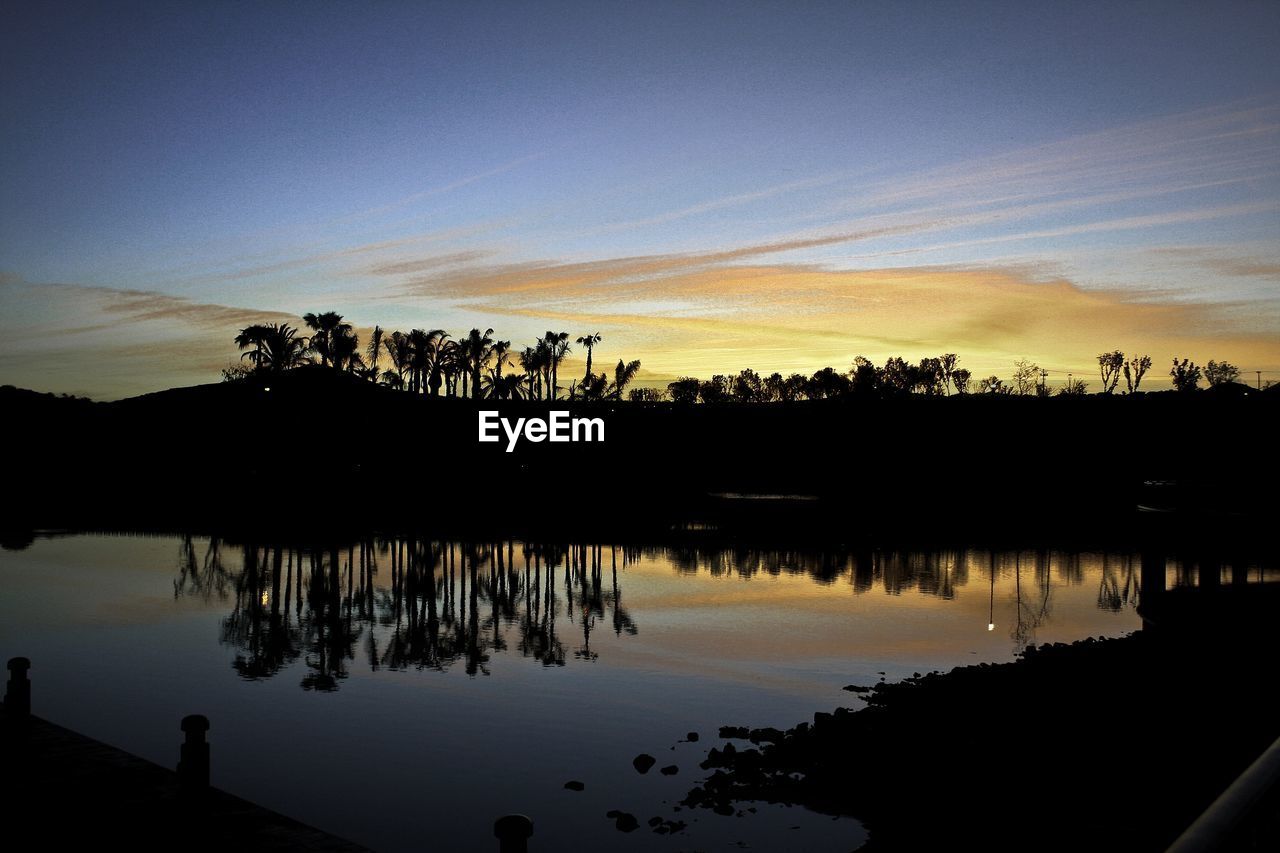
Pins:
x,y
408,602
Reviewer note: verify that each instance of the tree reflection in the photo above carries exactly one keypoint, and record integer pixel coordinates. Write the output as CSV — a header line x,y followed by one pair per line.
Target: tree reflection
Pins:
x,y
416,603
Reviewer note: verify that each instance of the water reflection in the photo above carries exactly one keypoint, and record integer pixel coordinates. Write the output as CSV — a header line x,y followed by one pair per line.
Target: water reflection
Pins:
x,y
445,603
414,603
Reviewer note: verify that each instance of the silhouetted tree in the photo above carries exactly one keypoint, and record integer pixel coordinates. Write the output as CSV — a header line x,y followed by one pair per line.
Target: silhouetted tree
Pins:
x,y
863,377
827,383
474,352
1185,375
557,344
947,363
644,395
897,376
589,341
1073,388
252,336
400,351
1110,365
960,379
1220,372
774,386
748,387
344,350
930,376
276,347
324,326
1025,376
1134,369
715,390
531,364
992,385
684,391
373,352
622,376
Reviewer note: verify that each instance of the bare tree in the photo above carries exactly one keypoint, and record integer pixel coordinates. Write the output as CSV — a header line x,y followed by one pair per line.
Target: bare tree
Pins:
x,y
1025,374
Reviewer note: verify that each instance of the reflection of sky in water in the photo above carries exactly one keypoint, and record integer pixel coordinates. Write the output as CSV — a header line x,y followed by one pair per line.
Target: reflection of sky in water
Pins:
x,y
410,758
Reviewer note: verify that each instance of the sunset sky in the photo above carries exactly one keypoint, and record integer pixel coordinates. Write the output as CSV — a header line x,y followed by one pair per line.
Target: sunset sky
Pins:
x,y
711,186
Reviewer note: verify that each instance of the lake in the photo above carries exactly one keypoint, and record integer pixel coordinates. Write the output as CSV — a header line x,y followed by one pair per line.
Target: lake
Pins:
x,y
405,693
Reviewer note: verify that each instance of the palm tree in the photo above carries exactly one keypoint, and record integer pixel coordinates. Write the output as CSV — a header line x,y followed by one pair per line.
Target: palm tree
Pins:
x,y
501,350
325,326
444,363
400,349
282,348
252,336
589,341
557,348
529,363
475,351
375,349
344,349
544,363
499,387
622,376
420,358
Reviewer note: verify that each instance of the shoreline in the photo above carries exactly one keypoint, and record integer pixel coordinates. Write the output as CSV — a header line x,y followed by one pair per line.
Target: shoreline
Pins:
x,y
929,757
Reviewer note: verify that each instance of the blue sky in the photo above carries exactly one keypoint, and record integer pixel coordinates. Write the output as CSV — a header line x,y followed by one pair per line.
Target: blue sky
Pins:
x,y
170,168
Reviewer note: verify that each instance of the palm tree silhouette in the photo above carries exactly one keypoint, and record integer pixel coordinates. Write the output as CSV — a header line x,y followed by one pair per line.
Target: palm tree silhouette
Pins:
x,y
557,344
475,351
344,349
276,347
400,350
252,336
529,363
622,376
375,349
283,349
589,341
324,325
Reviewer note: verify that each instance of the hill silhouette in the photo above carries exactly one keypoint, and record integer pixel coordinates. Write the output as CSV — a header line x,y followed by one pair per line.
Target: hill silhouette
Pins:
x,y
318,448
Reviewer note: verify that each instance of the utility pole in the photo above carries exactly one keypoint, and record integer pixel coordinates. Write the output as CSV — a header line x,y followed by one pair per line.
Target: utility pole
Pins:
x,y
1259,372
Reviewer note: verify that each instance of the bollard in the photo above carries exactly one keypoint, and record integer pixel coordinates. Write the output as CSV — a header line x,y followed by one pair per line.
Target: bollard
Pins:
x,y
17,696
193,762
513,832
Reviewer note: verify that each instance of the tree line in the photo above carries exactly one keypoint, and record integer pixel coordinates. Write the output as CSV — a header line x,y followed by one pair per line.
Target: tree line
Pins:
x,y
430,362
480,367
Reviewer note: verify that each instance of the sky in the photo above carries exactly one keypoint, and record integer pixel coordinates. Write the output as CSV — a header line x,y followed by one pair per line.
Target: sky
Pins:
x,y
710,186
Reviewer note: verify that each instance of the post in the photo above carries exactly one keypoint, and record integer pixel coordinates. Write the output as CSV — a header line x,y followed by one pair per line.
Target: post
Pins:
x,y
513,832
17,696
193,762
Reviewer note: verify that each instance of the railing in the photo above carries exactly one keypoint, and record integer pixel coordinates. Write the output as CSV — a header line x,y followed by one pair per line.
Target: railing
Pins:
x,y
1214,829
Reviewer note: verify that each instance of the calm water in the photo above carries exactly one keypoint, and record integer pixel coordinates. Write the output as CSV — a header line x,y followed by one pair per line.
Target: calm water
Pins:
x,y
404,694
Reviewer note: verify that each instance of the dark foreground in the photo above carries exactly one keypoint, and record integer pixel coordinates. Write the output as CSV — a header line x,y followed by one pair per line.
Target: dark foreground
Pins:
x,y
316,451
1183,706
63,790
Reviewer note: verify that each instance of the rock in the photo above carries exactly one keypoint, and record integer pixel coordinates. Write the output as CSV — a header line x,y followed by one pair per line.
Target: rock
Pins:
x,y
626,823
734,731
613,814
692,737
574,785
643,762
857,688
724,809
655,821
766,735
669,770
